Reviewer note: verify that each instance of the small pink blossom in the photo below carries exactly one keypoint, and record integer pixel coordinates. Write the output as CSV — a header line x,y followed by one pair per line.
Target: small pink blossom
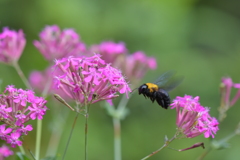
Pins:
x,y
194,119
4,131
228,84
13,139
136,65
237,96
89,79
55,43
37,110
5,151
12,44
110,52
26,129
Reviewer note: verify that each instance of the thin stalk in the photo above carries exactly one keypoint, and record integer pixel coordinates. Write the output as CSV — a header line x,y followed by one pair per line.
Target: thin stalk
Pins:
x,y
117,139
86,130
39,130
204,153
117,128
70,136
21,75
47,87
22,150
123,102
39,126
38,139
164,146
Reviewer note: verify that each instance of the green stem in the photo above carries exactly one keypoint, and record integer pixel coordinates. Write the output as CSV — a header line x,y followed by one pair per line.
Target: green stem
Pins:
x,y
22,76
22,150
117,127
117,138
39,125
123,103
164,146
47,87
86,130
38,139
204,153
70,136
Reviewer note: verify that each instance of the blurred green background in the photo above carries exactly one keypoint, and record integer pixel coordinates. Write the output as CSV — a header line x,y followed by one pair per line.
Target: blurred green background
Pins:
x,y
199,39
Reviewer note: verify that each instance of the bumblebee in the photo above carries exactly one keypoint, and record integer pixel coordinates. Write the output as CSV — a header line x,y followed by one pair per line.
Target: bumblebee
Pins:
x,y
159,89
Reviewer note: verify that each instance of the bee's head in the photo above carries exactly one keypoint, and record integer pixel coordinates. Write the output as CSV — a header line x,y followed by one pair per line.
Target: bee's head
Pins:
x,y
142,89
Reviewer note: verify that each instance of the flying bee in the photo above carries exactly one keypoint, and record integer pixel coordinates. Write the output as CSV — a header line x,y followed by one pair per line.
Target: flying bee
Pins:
x,y
159,89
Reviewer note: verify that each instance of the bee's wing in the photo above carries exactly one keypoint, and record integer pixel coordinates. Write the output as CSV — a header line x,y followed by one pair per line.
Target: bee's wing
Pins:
x,y
172,83
164,78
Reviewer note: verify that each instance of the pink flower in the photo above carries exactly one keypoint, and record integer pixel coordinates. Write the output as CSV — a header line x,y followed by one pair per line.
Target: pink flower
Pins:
x,y
55,43
4,131
228,84
194,119
5,151
226,103
112,48
12,44
89,79
136,65
13,139
17,107
37,110
26,129
109,50
237,96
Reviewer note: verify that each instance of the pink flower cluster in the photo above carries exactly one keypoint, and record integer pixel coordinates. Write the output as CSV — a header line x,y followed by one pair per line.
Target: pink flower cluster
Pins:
x,y
192,118
137,64
55,43
109,50
18,106
12,44
134,66
89,79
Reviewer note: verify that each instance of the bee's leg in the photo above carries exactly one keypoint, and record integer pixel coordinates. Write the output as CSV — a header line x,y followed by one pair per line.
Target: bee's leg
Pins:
x,y
153,96
144,95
